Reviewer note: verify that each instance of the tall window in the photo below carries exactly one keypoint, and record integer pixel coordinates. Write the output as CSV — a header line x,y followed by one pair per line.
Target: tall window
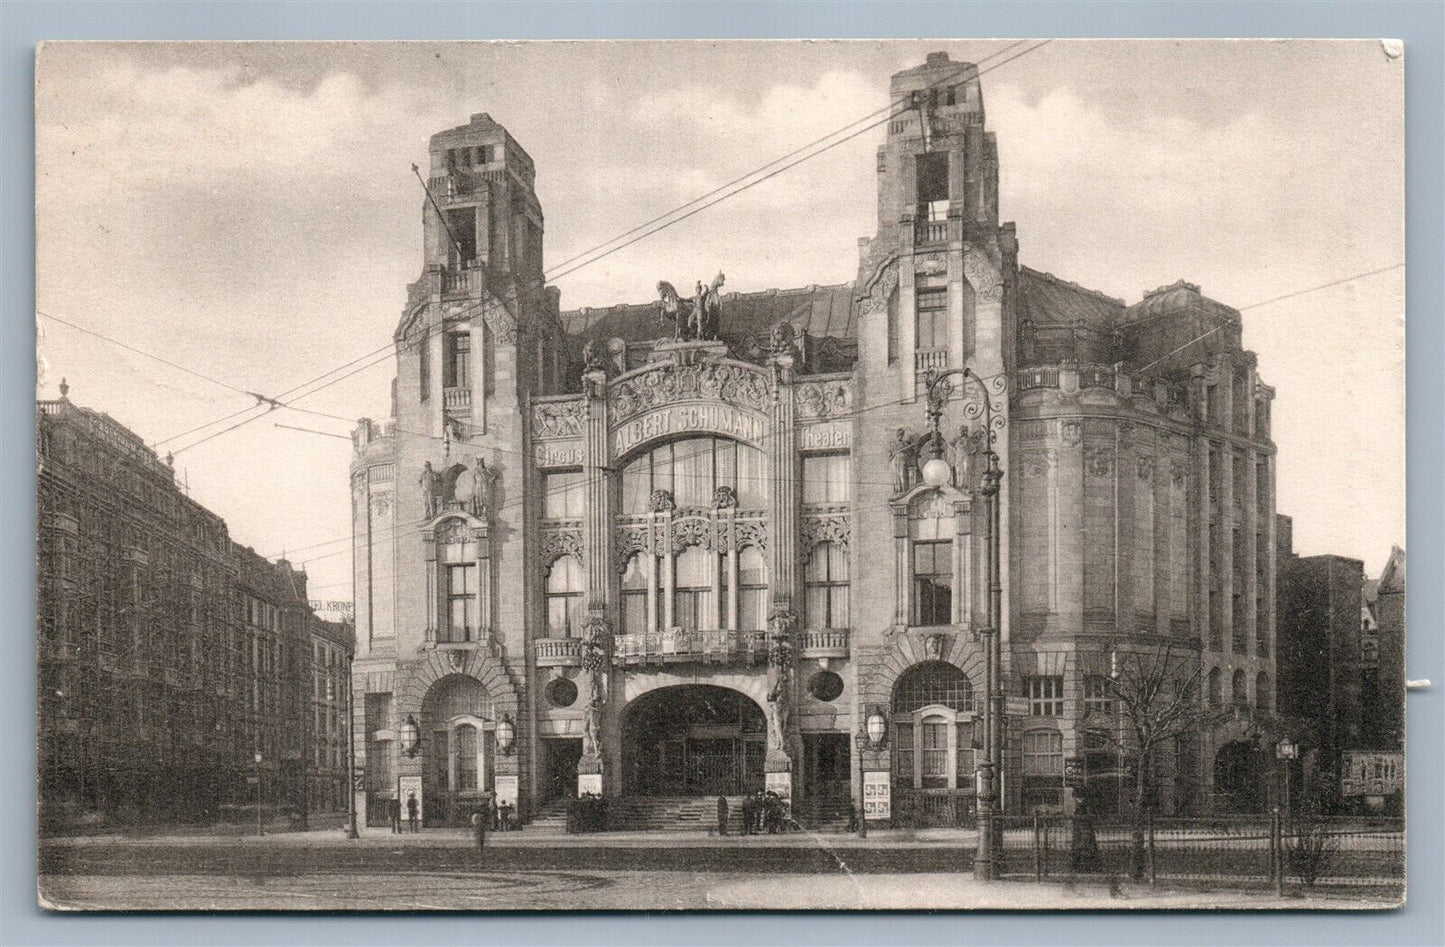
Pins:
x,y
564,597
692,602
827,478
458,365
826,587
932,181
936,744
489,361
1216,689
1043,753
752,589
423,356
634,594
459,576
1262,696
1045,694
466,757
1239,689
932,325
933,582
932,526
691,470
562,495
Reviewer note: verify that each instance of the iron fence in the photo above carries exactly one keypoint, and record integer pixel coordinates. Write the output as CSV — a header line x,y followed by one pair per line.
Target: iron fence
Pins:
x,y
1250,851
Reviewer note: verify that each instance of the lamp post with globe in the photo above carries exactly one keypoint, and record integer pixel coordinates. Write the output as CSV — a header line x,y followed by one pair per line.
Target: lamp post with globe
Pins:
x,y
937,472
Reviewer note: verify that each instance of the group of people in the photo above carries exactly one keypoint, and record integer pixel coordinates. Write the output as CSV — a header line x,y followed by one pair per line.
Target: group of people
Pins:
x,y
762,812
413,814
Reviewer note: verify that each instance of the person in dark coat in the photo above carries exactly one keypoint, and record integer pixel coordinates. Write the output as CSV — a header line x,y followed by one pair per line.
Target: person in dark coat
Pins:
x,y
773,813
722,815
393,807
412,809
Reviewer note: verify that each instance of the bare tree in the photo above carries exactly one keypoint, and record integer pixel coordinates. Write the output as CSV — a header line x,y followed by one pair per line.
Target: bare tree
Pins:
x,y
1155,701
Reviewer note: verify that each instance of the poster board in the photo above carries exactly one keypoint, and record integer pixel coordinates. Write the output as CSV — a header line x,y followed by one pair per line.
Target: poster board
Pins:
x,y
780,783
506,789
877,795
589,782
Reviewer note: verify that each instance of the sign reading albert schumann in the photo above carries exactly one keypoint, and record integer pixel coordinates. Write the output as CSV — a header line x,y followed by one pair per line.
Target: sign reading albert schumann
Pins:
x,y
928,485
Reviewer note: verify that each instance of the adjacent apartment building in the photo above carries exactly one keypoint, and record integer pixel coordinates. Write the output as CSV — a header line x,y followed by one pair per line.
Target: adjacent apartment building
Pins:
x,y
683,548
170,657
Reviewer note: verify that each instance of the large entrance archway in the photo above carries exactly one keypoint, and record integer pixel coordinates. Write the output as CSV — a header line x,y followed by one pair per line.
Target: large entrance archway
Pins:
x,y
693,740
458,745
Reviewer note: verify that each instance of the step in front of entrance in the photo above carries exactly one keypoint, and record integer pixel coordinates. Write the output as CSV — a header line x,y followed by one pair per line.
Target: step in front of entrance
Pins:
x,y
691,814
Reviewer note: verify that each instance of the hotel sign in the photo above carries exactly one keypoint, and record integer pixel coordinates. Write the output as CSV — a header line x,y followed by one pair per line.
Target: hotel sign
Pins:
x,y
688,419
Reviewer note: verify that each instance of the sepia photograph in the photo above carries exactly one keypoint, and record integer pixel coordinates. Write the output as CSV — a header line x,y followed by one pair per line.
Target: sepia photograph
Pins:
x,y
720,475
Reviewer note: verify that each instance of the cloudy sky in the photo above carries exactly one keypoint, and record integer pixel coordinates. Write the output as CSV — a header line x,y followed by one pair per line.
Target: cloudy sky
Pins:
x,y
248,210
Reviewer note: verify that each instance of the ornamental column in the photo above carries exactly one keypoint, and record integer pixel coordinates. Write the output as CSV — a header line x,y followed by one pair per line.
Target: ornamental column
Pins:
x,y
597,546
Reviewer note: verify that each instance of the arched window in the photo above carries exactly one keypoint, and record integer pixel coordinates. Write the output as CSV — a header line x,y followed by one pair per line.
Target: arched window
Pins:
x,y
931,528
564,597
826,587
752,589
1216,689
693,608
933,728
691,470
634,594
459,586
1263,696
1239,689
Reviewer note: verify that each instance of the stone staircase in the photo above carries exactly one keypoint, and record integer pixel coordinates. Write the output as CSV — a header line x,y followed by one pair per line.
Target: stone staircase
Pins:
x,y
551,818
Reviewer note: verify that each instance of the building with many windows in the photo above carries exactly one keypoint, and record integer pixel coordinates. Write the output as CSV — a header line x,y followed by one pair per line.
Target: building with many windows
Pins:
x,y
169,655
597,554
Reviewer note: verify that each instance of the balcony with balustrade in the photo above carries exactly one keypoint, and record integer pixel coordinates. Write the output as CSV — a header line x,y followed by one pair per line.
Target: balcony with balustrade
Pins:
x,y
676,645
937,232
824,643
557,652
457,400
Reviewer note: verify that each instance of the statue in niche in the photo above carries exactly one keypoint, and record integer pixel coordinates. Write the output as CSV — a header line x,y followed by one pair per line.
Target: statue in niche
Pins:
x,y
430,490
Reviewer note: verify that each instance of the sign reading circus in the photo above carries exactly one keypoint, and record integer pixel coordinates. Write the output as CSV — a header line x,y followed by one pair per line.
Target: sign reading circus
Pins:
x,y
688,418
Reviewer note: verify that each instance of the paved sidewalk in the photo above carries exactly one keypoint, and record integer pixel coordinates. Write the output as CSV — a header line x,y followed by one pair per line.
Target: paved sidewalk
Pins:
x,y
457,837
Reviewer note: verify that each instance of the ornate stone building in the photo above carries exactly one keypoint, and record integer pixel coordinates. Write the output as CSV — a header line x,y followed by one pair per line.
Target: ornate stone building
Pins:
x,y
683,548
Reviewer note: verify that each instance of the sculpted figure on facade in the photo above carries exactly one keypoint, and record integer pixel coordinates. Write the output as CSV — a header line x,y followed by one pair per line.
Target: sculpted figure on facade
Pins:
x,y
707,310
782,341
483,481
594,662
781,627
903,458
960,458
430,490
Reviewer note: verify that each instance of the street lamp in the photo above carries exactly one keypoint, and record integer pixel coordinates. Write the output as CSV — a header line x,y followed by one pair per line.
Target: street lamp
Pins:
x,y
869,737
937,472
1285,751
506,735
410,736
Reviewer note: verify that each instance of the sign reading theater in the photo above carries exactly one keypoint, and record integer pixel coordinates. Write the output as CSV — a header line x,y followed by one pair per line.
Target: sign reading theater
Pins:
x,y
687,418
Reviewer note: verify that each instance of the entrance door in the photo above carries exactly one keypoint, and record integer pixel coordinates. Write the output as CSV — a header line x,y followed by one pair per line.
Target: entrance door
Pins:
x,y
693,740
560,778
826,761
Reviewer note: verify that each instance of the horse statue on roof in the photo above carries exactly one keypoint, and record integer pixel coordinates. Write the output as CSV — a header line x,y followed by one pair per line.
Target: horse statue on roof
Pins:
x,y
673,309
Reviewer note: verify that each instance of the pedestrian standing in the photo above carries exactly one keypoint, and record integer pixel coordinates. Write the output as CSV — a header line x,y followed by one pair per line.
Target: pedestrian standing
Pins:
x,y
722,815
480,818
412,806
393,808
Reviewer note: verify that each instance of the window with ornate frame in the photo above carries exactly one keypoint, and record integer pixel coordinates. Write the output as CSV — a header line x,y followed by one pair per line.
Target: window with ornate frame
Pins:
x,y
691,470
461,621
827,478
564,597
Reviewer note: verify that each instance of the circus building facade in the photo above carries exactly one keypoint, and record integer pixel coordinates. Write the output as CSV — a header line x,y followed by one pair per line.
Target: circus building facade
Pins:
x,y
684,549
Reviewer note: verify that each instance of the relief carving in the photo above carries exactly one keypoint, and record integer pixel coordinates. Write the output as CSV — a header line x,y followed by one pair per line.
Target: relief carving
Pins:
x,y
667,382
823,400
557,419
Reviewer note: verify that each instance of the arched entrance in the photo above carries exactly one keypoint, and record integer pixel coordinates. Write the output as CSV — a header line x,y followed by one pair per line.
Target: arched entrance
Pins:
x,y
693,740
457,741
1240,778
